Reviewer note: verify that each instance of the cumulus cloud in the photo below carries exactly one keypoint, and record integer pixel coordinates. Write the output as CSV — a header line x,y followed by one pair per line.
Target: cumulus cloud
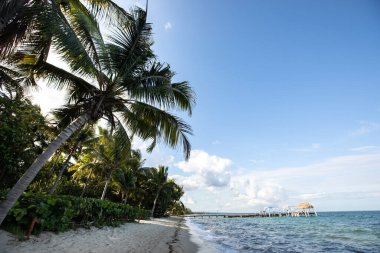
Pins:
x,y
188,182
201,162
258,194
342,180
208,170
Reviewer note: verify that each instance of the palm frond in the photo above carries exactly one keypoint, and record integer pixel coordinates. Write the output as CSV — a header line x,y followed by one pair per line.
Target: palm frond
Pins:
x,y
17,19
155,87
72,51
13,81
130,46
60,78
87,29
167,127
108,10
67,114
122,140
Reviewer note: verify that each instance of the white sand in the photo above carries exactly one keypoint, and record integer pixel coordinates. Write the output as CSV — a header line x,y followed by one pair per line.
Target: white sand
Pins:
x,y
158,235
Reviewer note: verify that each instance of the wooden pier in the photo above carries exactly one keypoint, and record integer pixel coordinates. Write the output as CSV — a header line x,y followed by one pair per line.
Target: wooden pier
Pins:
x,y
301,210
251,215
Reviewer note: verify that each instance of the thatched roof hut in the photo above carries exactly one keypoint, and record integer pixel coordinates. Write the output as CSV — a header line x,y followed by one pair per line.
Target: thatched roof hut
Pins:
x,y
305,205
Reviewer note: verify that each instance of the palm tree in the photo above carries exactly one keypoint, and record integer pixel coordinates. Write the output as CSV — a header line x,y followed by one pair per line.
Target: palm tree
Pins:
x,y
126,182
159,178
84,137
85,167
113,153
119,81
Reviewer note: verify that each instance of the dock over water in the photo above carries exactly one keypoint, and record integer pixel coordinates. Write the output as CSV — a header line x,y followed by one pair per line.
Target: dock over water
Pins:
x,y
251,215
304,209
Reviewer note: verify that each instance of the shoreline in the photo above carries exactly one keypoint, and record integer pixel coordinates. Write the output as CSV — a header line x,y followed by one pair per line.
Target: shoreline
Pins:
x,y
160,235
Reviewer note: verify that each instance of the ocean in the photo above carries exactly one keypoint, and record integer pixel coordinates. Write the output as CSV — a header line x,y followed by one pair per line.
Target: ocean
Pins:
x,y
328,232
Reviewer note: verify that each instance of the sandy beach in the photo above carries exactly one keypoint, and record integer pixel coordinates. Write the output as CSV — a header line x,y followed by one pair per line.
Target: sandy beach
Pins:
x,y
158,235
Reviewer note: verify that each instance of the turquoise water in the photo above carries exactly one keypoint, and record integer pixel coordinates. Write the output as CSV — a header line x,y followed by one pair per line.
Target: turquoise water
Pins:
x,y
329,232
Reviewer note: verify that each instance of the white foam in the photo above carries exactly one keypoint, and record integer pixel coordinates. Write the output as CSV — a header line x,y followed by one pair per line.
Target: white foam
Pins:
x,y
202,238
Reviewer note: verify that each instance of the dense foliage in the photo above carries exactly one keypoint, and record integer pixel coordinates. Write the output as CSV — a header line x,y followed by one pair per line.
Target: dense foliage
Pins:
x,y
23,135
132,188
59,213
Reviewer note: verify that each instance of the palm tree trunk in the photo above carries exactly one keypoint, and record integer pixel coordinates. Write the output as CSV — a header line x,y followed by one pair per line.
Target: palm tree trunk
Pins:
x,y
154,203
85,184
50,174
125,197
33,170
58,154
106,186
52,189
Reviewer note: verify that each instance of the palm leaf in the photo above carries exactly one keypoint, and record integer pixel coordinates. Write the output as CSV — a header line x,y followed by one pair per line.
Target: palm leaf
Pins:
x,y
167,127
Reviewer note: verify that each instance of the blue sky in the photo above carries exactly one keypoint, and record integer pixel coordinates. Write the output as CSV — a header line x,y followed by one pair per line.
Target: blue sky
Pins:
x,y
287,101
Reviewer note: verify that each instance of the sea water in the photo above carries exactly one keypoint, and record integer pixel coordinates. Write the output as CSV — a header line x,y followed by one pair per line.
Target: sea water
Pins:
x,y
328,232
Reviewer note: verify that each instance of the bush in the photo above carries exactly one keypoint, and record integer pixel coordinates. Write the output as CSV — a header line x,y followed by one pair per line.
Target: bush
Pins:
x,y
60,213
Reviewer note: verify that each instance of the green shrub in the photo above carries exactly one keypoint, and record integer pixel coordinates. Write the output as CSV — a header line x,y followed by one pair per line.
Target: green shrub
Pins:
x,y
60,213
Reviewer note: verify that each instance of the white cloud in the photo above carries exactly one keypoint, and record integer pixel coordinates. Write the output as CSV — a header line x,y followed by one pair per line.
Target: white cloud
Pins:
x,y
363,148
366,127
188,182
336,180
249,191
216,142
311,148
334,184
201,162
257,161
309,196
168,26
209,170
187,200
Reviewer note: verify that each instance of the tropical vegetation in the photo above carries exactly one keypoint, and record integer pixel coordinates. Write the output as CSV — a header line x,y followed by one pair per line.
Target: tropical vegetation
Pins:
x,y
114,77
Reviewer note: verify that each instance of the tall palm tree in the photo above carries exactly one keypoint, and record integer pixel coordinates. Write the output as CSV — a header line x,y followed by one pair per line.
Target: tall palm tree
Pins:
x,y
118,80
159,178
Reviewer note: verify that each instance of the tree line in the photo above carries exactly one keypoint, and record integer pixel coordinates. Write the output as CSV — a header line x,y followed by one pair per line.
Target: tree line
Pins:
x,y
114,77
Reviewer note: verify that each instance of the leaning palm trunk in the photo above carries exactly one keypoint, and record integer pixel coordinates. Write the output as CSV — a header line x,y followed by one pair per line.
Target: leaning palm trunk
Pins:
x,y
58,155
154,203
106,186
63,168
85,184
64,165
125,197
33,170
